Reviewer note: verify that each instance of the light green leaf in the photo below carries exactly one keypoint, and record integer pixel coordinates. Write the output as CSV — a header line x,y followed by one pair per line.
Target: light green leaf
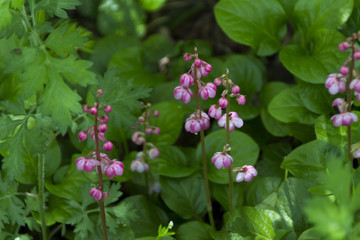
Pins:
x,y
241,22
244,151
58,7
185,196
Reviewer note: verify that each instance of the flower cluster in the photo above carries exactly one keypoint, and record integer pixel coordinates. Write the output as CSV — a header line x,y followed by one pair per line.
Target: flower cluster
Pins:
x,y
215,111
246,172
199,120
96,160
337,83
139,138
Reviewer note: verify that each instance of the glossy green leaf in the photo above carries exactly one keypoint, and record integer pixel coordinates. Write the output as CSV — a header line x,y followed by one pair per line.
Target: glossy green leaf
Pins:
x,y
317,59
221,194
152,5
273,126
193,231
288,107
260,188
270,90
307,160
290,201
244,151
173,163
185,196
241,22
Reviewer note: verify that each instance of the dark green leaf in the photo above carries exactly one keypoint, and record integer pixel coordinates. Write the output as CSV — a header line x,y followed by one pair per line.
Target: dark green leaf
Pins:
x,y
221,194
193,231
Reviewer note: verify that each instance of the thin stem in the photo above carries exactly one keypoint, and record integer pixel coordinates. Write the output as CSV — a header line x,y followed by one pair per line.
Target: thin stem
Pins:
x,y
101,183
202,139
41,197
231,192
348,96
55,230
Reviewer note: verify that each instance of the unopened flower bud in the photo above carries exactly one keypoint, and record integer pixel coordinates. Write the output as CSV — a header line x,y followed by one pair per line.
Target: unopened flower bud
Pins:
x,y
217,81
93,111
156,131
82,136
104,119
148,131
235,89
103,128
223,102
357,55
108,108
96,194
197,62
100,91
86,108
241,99
344,70
156,113
108,146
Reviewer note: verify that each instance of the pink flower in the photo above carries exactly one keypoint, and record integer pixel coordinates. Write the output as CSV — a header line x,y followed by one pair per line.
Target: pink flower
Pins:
x,y
82,136
355,84
336,82
235,89
197,62
246,173
209,90
344,70
344,119
148,131
104,119
215,111
356,153
138,138
101,135
186,80
86,164
96,193
221,160
139,166
357,55
156,113
156,131
188,56
108,109
234,121
108,146
184,93
340,103
204,121
217,81
102,128
241,99
343,46
194,124
115,168
223,102
154,153
93,111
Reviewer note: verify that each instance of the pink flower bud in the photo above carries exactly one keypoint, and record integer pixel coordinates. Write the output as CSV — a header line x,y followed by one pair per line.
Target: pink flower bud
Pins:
x,y
246,173
156,131
186,80
115,168
241,99
154,153
86,108
208,68
192,125
82,136
93,111
156,113
108,146
96,194
336,82
197,62
139,166
209,90
223,102
217,81
357,55
184,93
103,128
203,72
343,46
215,111
355,84
221,160
148,131
108,108
188,57
235,89
86,164
138,138
344,70
344,119
104,119
356,153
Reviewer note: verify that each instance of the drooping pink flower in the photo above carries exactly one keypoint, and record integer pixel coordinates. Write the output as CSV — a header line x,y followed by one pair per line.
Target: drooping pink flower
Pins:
x,y
186,80
156,113
215,111
223,102
96,193
108,108
343,46
246,173
234,121
217,81
355,84
344,119
101,135
154,153
108,146
86,164
340,104
156,131
221,160
357,55
207,91
188,56
241,99
235,89
82,136
138,138
356,153
139,166
93,111
204,121
115,168
192,125
104,119
184,93
344,70
102,128
336,82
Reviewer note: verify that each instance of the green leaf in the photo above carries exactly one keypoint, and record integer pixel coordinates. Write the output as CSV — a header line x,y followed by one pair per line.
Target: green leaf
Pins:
x,y
307,160
152,5
170,122
185,196
260,188
137,211
319,57
172,162
313,15
123,97
5,14
310,234
270,90
273,126
129,65
193,231
315,97
58,7
291,198
253,223
241,22
288,107
352,24
221,194
244,151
